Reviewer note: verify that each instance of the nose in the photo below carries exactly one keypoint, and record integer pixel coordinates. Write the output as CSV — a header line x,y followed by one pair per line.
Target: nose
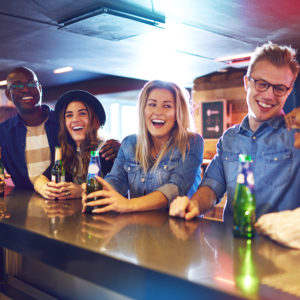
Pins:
x,y
268,93
157,110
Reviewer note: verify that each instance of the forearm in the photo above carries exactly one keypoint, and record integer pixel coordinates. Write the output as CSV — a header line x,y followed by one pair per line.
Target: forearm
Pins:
x,y
153,201
39,183
205,199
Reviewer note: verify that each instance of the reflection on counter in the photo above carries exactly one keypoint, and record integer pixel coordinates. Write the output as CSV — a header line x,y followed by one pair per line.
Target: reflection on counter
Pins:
x,y
246,276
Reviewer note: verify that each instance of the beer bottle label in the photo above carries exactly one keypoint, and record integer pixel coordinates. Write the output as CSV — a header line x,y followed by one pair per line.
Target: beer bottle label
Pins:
x,y
93,169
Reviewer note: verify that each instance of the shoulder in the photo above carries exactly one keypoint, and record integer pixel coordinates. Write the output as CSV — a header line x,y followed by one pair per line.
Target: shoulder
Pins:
x,y
9,123
128,145
130,140
195,139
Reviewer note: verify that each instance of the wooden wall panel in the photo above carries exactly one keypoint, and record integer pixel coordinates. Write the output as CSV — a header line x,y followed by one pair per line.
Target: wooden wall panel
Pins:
x,y
215,87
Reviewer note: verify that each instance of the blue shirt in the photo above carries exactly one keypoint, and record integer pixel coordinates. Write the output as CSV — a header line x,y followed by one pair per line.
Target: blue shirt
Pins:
x,y
13,142
276,165
172,177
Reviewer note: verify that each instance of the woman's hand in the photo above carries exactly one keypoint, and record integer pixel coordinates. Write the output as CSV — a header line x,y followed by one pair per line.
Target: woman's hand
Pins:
x,y
51,190
67,190
112,200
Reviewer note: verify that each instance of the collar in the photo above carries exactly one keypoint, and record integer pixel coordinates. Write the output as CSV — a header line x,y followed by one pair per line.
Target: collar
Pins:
x,y
275,122
51,117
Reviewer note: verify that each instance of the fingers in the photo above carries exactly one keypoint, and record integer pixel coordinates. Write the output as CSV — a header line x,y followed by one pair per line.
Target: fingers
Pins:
x,y
178,207
110,149
194,212
105,184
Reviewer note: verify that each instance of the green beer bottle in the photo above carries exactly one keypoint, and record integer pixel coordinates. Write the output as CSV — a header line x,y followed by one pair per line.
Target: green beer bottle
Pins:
x,y
2,182
244,200
92,184
58,170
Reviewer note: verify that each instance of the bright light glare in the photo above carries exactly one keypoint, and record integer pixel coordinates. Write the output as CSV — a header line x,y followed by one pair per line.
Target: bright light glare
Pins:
x,y
233,57
63,70
3,82
162,58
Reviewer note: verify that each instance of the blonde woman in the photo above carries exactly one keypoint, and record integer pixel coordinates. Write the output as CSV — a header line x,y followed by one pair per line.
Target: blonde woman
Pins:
x,y
161,162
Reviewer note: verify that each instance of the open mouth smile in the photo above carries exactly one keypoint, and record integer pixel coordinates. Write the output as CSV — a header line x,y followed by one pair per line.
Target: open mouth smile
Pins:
x,y
77,128
158,123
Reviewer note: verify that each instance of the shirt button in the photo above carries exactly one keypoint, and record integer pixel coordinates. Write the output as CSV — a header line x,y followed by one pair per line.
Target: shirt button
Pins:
x,y
128,168
275,158
254,137
226,158
142,179
165,167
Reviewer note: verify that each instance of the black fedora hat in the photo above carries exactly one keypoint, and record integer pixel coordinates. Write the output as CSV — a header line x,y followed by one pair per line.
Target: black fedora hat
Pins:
x,y
83,96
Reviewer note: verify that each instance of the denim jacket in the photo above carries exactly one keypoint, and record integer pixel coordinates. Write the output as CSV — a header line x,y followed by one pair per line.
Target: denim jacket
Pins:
x,y
173,176
276,165
12,142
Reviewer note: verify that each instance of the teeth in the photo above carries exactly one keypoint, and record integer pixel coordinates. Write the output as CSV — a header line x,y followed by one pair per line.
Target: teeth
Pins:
x,y
77,128
158,121
27,98
264,104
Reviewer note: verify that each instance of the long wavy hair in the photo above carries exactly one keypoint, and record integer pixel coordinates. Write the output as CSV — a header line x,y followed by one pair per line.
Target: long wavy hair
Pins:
x,y
68,145
181,132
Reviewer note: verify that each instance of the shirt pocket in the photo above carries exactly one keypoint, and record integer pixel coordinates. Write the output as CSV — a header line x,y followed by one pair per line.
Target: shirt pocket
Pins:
x,y
164,171
277,167
133,171
231,166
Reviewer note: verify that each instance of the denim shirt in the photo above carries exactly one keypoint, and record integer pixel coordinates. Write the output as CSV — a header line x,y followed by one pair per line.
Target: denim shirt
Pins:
x,y
276,165
173,176
13,142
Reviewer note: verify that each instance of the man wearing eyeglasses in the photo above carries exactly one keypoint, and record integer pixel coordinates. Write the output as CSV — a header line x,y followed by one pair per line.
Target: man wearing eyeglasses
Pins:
x,y
262,134
29,138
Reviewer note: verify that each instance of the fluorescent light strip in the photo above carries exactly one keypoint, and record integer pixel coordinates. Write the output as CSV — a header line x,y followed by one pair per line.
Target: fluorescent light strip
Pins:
x,y
3,82
241,57
63,70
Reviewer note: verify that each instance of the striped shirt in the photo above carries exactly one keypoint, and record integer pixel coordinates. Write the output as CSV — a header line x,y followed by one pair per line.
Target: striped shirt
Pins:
x,y
37,151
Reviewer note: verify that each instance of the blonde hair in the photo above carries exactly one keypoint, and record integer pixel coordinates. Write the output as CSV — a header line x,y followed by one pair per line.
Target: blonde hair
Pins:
x,y
181,132
275,54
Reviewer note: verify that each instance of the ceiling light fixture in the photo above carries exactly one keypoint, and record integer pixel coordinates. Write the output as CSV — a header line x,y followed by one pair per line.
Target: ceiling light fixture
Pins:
x,y
63,70
234,59
112,24
3,82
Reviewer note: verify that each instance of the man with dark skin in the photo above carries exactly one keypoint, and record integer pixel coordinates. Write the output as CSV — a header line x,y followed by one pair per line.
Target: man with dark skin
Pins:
x,y
28,139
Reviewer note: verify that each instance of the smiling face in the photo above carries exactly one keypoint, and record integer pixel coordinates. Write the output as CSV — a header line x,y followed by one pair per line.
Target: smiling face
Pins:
x,y
24,90
160,114
77,121
265,105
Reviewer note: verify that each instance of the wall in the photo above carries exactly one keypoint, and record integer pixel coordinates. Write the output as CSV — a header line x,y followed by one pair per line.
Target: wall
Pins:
x,y
216,86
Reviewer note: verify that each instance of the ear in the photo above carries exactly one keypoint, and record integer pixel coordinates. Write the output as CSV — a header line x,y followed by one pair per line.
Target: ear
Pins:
x,y
246,82
7,94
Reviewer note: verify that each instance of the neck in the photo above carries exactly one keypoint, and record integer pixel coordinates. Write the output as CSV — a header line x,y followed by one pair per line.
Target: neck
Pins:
x,y
34,118
157,145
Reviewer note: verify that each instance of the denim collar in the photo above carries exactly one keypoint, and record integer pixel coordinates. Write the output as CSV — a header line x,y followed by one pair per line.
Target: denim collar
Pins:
x,y
275,122
18,120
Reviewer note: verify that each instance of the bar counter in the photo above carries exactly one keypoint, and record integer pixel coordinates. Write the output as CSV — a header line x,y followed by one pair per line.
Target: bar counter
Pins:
x,y
57,252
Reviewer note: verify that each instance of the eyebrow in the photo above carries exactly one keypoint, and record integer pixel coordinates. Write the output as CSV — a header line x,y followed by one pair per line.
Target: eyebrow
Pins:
x,y
80,110
164,101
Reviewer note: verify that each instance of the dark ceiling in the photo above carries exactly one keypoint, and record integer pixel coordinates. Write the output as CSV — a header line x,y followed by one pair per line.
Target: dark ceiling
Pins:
x,y
45,35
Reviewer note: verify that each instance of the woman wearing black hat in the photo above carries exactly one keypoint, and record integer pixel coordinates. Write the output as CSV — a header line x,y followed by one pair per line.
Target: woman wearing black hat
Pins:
x,y
80,116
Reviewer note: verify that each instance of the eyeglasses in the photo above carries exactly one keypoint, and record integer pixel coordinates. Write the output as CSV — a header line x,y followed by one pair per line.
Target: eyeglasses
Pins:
x,y
19,86
262,86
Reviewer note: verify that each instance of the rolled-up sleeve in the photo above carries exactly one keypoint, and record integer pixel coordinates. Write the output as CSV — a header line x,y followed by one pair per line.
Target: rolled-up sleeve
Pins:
x,y
186,176
214,176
